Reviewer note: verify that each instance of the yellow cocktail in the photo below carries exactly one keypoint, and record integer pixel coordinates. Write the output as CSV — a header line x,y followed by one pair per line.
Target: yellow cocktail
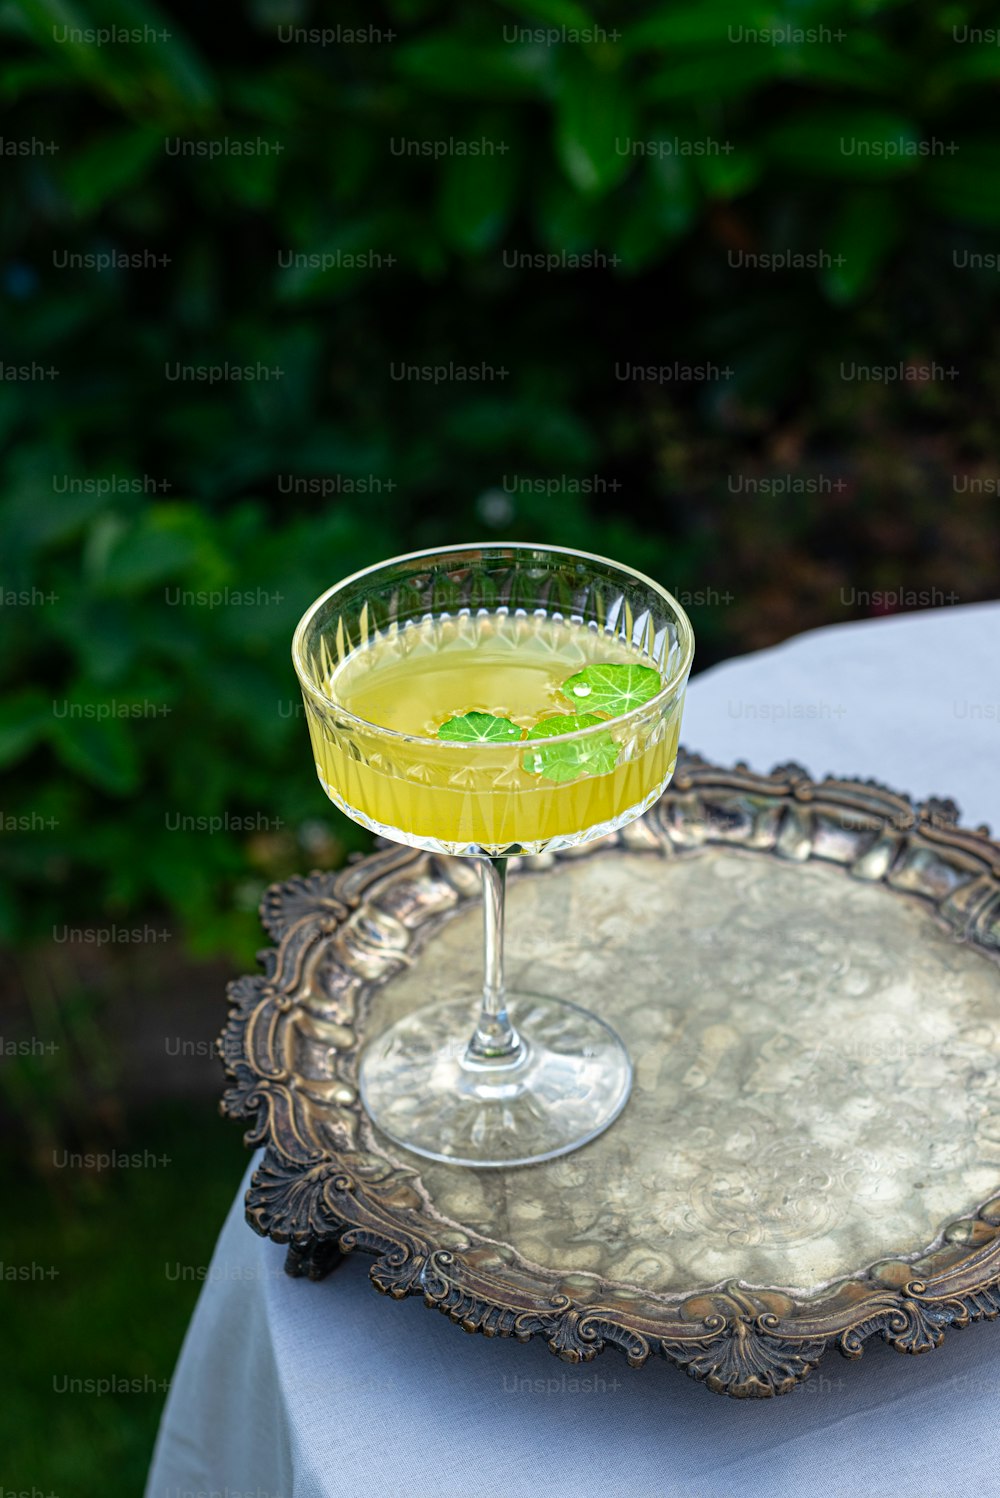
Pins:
x,y
487,701
413,679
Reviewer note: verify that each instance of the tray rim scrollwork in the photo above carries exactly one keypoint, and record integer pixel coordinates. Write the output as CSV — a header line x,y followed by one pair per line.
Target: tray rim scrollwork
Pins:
x,y
365,922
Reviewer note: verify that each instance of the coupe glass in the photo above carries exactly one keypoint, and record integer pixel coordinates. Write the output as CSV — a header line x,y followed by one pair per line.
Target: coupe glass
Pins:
x,y
539,1076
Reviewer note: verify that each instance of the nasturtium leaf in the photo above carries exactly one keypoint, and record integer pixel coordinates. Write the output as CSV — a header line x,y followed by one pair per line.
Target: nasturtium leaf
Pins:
x,y
595,755
479,728
612,689
559,723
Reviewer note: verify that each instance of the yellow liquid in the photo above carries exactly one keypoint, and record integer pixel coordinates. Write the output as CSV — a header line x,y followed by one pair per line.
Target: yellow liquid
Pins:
x,y
457,796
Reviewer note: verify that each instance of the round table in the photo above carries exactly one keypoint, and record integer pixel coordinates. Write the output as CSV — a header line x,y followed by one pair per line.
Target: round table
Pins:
x,y
292,1389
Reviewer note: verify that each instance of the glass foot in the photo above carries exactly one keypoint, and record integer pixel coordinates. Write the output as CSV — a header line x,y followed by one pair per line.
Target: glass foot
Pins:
x,y
569,1080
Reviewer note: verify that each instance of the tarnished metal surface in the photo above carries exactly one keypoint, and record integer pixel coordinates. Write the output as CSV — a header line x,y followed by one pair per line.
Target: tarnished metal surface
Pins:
x,y
806,977
817,1071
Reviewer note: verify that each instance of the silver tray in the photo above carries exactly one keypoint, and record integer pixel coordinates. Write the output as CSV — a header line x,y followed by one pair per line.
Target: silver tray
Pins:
x,y
806,975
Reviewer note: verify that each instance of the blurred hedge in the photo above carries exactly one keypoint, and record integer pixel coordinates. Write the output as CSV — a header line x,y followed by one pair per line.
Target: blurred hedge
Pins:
x,y
124,490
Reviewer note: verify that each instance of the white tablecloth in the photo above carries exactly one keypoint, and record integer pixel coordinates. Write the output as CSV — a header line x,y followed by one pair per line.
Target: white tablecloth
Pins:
x,y
287,1389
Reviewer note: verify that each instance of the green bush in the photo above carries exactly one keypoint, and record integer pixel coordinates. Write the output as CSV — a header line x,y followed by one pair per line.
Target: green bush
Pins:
x,y
130,497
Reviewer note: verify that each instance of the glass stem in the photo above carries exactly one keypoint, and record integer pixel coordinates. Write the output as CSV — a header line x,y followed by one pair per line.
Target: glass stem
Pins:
x,y
495,1039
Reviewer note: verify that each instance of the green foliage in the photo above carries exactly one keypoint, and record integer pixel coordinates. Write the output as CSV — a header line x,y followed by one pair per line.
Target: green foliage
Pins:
x,y
169,531
136,1246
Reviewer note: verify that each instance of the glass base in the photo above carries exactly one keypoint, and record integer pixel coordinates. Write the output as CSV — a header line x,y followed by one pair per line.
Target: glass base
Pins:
x,y
570,1079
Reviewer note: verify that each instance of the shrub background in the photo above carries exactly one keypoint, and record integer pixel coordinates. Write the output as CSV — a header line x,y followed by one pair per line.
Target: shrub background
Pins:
x,y
821,133
777,497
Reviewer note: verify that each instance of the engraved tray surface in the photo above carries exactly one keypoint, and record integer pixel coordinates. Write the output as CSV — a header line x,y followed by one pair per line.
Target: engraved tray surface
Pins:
x,y
806,976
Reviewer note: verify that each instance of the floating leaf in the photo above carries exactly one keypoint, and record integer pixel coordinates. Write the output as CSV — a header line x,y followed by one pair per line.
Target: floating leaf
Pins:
x,y
479,728
612,689
595,755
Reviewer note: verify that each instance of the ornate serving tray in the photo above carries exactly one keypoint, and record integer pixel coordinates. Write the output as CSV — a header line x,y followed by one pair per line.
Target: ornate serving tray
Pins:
x,y
806,975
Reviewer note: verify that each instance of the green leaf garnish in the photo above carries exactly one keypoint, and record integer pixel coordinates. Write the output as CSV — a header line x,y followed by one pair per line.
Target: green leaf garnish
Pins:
x,y
612,689
592,756
479,728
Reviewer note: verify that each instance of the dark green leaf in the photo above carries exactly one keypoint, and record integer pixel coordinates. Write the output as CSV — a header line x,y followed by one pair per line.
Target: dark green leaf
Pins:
x,y
555,12
857,143
865,227
567,223
728,172
161,68
672,193
162,544
450,64
594,129
110,165
861,61
640,236
965,184
477,192
730,74
25,717
704,25
360,248
101,750
251,177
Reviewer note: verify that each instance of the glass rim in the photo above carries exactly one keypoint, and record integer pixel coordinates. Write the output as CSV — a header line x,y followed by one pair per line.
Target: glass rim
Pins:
x,y
685,634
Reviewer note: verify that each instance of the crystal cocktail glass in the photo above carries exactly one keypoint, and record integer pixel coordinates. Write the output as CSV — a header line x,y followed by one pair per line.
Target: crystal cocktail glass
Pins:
x,y
461,640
